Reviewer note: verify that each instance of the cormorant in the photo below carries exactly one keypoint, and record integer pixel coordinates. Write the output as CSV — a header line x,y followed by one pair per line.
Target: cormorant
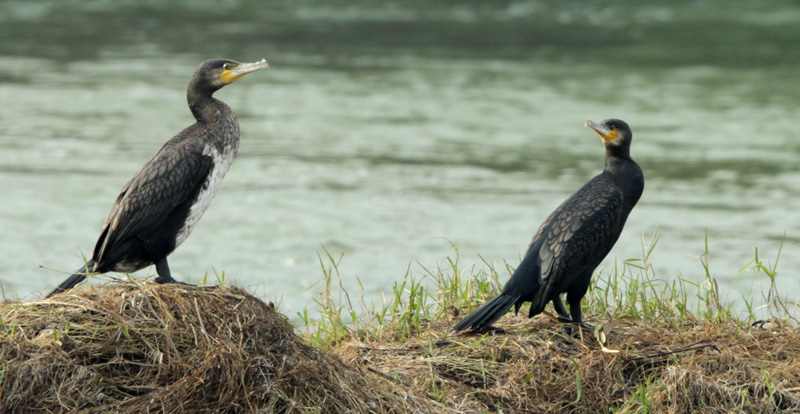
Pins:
x,y
573,241
159,206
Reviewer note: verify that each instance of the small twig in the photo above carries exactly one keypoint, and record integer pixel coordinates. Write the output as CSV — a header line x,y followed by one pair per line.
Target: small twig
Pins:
x,y
698,345
468,382
492,330
60,303
439,344
399,380
202,324
389,377
369,348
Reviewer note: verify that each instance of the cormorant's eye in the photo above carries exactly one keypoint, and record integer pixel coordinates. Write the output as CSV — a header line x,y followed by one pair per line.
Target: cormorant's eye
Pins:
x,y
226,66
611,127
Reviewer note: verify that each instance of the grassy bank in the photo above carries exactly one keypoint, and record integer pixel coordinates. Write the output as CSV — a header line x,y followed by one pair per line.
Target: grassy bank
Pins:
x,y
660,346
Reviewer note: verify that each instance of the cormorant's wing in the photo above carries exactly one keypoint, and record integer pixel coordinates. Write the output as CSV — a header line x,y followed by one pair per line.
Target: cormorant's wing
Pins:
x,y
165,182
579,234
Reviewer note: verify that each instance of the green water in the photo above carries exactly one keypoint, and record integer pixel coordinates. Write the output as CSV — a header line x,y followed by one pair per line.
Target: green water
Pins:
x,y
386,131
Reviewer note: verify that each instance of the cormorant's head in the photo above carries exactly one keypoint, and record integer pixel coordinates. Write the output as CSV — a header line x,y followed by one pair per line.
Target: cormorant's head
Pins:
x,y
216,73
615,133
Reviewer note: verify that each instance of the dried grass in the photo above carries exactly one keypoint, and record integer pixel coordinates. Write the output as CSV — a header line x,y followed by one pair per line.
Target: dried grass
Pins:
x,y
541,366
133,348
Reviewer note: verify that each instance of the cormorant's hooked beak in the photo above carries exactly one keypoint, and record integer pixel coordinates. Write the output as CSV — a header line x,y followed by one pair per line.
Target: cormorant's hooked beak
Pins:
x,y
605,134
230,75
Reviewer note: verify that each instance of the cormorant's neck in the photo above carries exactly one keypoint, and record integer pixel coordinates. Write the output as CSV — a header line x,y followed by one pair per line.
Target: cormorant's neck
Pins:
x,y
617,157
204,107
617,152
624,170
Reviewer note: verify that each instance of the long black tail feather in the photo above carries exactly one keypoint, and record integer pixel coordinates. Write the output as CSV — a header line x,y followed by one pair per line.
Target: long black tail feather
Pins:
x,y
487,314
71,281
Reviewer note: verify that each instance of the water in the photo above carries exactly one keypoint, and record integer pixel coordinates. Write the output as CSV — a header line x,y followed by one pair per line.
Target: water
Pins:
x,y
388,131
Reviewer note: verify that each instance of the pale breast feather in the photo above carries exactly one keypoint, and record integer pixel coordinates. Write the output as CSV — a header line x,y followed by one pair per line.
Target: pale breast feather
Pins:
x,y
222,161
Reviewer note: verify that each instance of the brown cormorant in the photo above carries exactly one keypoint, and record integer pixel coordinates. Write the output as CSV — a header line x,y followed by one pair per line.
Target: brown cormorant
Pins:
x,y
573,241
159,206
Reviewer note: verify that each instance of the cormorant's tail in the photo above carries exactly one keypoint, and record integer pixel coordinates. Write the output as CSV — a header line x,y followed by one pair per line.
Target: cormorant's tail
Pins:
x,y
71,281
487,314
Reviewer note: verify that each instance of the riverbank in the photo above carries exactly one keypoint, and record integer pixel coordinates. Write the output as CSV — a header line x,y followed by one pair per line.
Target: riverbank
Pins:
x,y
658,347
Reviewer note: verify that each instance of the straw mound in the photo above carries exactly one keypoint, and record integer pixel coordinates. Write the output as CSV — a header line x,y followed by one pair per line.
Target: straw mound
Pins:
x,y
541,366
133,348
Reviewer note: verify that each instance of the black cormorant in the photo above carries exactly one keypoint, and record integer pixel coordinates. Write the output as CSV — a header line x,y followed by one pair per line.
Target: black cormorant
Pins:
x,y
157,209
574,239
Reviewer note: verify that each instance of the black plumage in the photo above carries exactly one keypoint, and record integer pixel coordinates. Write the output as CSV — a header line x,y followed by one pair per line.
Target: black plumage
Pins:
x,y
160,205
574,239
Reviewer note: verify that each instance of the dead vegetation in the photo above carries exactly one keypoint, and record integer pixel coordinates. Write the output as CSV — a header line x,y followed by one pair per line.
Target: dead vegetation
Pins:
x,y
130,348
541,366
144,348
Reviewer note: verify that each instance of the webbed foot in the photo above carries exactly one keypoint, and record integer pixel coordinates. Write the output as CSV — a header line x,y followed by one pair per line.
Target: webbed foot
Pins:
x,y
564,319
162,280
568,320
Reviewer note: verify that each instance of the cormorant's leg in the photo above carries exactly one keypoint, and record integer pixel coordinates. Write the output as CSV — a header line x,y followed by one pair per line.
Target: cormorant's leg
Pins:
x,y
575,311
574,296
563,316
164,275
